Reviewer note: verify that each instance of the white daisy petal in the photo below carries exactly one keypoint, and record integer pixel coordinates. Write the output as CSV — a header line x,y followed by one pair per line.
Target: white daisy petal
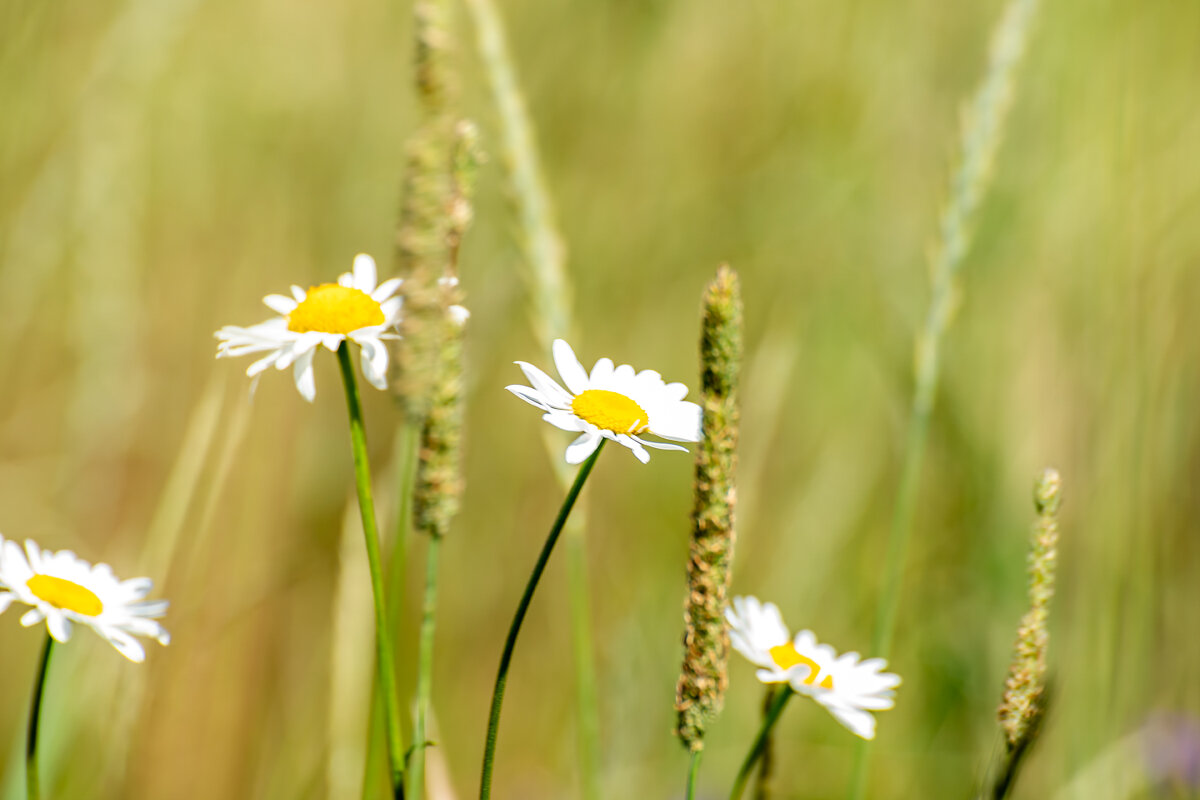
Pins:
x,y
391,310
126,645
602,370
386,289
569,368
859,722
529,396
262,364
771,676
560,419
374,362
298,293
33,555
306,382
14,565
59,626
658,445
622,377
637,449
280,304
32,617
136,588
364,273
552,393
675,391
581,448
681,424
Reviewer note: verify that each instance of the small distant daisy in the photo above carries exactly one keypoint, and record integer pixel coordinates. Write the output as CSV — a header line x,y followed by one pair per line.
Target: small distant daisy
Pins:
x,y
63,589
352,309
846,686
611,403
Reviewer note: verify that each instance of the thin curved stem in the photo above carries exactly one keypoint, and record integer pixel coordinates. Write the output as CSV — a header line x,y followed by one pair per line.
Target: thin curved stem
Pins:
x,y
692,770
383,630
510,643
756,749
416,769
32,784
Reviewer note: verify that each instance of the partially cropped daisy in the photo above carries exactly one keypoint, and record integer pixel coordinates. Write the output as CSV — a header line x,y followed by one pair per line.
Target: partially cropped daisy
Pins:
x,y
63,589
611,403
353,309
846,686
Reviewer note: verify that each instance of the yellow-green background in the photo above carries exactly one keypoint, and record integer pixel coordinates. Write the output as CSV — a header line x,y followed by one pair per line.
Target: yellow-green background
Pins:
x,y
166,163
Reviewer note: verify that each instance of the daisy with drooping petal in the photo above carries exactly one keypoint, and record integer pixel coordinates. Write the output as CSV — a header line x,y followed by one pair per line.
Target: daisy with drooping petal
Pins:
x,y
846,686
353,309
63,589
611,403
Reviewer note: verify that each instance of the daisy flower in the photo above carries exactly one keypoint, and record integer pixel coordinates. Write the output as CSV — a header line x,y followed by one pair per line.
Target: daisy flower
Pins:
x,y
63,589
352,309
846,686
611,403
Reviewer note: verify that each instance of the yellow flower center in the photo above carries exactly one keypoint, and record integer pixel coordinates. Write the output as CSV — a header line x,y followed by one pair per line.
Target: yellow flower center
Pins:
x,y
332,308
610,411
786,657
66,595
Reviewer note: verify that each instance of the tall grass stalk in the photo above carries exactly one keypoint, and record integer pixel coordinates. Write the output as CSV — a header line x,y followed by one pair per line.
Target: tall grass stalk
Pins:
x,y
510,642
759,746
385,656
693,771
435,504
982,131
551,316
351,663
766,759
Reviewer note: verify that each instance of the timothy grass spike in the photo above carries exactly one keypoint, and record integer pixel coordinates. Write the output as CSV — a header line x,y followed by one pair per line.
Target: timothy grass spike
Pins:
x,y
1024,701
702,681
439,471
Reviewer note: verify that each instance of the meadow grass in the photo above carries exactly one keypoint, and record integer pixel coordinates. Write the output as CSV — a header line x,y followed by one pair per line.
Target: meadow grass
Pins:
x,y
163,166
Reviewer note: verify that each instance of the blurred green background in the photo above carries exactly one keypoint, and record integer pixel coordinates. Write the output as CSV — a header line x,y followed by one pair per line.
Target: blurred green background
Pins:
x,y
166,163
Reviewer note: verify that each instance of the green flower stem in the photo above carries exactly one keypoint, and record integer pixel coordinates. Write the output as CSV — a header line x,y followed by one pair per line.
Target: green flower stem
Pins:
x,y
404,456
416,767
489,752
760,741
32,786
383,630
692,770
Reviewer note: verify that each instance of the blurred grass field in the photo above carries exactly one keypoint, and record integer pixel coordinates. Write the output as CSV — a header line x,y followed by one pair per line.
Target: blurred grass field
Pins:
x,y
166,163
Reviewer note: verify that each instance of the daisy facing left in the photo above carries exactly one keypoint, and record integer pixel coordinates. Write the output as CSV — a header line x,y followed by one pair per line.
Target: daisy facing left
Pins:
x,y
63,589
354,309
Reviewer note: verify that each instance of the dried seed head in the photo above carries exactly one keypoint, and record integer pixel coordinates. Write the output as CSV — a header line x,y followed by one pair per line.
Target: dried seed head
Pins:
x,y
702,681
439,482
1024,692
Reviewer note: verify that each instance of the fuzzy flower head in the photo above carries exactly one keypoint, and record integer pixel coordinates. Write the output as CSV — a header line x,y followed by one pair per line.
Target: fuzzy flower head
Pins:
x,y
846,686
63,589
353,309
611,403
